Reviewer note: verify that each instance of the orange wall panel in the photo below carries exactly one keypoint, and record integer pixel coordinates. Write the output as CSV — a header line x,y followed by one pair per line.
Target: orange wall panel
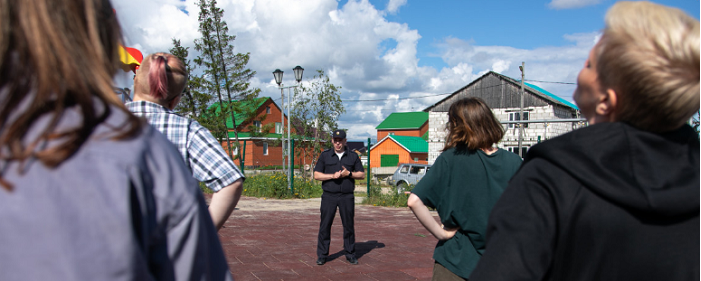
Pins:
x,y
409,133
391,147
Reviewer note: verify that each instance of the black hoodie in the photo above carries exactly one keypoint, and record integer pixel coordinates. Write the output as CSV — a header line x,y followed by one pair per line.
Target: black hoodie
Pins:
x,y
606,202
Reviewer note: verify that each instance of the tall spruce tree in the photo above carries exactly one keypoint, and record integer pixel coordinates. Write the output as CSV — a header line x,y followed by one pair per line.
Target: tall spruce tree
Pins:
x,y
224,70
193,102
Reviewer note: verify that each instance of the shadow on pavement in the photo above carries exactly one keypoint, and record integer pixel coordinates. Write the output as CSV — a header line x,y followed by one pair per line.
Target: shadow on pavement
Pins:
x,y
361,248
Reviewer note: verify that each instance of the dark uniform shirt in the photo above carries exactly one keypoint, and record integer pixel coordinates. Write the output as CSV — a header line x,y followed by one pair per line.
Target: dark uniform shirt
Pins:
x,y
329,163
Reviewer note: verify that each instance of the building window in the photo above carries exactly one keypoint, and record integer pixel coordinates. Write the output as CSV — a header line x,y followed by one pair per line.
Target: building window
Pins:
x,y
278,128
267,110
514,116
257,124
265,148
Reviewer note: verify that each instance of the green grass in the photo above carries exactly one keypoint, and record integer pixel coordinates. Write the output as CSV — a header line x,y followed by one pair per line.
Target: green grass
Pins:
x,y
274,185
392,199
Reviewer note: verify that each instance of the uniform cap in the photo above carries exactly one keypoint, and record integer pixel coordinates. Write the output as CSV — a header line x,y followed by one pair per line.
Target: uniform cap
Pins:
x,y
339,134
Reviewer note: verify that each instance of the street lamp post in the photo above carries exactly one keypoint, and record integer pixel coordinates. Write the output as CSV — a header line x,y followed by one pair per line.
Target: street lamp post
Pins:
x,y
278,79
298,71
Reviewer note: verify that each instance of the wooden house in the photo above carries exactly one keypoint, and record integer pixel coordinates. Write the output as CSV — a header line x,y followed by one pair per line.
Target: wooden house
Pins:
x,y
502,94
392,150
412,124
401,139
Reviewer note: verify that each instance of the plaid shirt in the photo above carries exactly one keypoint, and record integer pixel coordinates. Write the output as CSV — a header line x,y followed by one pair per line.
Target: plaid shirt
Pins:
x,y
203,154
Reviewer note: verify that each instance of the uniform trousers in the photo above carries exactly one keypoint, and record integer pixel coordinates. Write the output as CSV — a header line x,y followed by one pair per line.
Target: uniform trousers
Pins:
x,y
345,202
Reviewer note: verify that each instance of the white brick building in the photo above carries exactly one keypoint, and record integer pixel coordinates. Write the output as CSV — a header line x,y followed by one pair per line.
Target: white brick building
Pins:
x,y
501,93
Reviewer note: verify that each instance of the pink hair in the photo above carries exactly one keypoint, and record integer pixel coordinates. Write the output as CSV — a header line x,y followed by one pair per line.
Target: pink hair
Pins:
x,y
158,77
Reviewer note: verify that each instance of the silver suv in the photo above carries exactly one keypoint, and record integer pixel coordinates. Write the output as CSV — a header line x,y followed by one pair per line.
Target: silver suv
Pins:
x,y
408,174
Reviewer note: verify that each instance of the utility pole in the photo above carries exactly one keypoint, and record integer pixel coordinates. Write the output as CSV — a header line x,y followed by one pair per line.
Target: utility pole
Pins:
x,y
520,113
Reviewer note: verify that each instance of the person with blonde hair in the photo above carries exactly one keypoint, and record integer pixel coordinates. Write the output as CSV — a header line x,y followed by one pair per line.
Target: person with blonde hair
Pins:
x,y
462,185
88,191
158,86
619,199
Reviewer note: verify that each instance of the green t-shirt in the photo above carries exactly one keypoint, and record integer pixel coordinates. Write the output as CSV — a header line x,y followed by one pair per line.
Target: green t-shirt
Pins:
x,y
463,185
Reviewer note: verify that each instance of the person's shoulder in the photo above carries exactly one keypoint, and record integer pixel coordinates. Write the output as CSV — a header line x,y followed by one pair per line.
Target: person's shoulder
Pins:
x,y
510,156
353,154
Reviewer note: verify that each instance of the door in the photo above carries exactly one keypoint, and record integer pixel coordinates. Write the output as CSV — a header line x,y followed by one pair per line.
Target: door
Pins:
x,y
389,160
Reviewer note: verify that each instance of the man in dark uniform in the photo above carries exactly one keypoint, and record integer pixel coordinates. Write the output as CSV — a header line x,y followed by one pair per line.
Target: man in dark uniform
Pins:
x,y
337,168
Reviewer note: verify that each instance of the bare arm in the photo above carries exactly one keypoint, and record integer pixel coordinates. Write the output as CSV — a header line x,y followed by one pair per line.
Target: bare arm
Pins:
x,y
426,219
224,201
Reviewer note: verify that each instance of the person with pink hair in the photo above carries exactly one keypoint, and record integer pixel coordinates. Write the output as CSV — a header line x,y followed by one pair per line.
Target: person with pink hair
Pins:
x,y
158,86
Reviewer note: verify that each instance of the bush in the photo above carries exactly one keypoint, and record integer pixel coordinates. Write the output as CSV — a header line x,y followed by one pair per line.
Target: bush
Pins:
x,y
274,185
391,199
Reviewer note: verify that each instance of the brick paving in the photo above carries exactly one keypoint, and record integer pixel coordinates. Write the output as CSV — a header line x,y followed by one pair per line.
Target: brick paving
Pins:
x,y
276,240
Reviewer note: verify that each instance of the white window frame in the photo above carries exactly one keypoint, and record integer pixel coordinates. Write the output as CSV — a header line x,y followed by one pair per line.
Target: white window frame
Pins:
x,y
265,148
514,116
267,110
278,128
257,124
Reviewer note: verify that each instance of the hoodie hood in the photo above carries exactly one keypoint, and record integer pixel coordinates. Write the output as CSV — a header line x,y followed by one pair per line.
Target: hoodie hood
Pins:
x,y
637,170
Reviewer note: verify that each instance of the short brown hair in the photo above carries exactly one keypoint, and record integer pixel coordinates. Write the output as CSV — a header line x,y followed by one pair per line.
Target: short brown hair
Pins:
x,y
471,123
649,55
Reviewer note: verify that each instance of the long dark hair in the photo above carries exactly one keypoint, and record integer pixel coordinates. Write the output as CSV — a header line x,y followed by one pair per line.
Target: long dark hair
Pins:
x,y
472,124
56,54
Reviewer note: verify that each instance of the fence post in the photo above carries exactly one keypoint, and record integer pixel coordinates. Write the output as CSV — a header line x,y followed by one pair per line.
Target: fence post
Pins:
x,y
369,169
243,156
292,166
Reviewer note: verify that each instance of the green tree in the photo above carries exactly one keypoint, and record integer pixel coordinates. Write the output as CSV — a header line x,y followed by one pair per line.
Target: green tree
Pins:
x,y
316,111
224,70
196,99
193,102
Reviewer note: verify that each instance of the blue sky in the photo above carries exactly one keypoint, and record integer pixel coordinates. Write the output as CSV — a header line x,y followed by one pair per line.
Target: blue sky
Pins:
x,y
389,55
524,24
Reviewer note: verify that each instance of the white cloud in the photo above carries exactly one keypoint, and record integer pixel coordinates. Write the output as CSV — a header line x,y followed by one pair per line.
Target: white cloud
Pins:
x,y
359,49
393,5
571,4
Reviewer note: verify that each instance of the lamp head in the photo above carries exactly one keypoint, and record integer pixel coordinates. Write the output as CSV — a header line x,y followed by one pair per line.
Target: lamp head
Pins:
x,y
298,73
278,76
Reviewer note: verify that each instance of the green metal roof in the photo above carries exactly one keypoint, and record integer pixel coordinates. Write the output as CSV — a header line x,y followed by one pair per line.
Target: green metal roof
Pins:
x,y
551,95
412,144
404,120
425,136
250,105
247,135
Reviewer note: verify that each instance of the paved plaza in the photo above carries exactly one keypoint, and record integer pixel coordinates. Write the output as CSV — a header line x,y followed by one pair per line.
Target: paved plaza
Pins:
x,y
267,239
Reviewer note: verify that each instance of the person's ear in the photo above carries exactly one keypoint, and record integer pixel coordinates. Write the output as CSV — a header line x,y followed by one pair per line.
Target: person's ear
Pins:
x,y
606,107
174,102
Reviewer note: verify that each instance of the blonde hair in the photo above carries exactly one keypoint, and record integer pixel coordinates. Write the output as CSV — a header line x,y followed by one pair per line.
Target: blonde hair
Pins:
x,y
472,124
161,76
54,55
649,54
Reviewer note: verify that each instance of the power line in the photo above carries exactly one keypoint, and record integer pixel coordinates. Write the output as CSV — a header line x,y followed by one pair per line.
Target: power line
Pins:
x,y
421,97
567,83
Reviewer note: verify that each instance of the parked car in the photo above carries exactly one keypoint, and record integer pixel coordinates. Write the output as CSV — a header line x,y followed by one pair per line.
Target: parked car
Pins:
x,y
407,174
